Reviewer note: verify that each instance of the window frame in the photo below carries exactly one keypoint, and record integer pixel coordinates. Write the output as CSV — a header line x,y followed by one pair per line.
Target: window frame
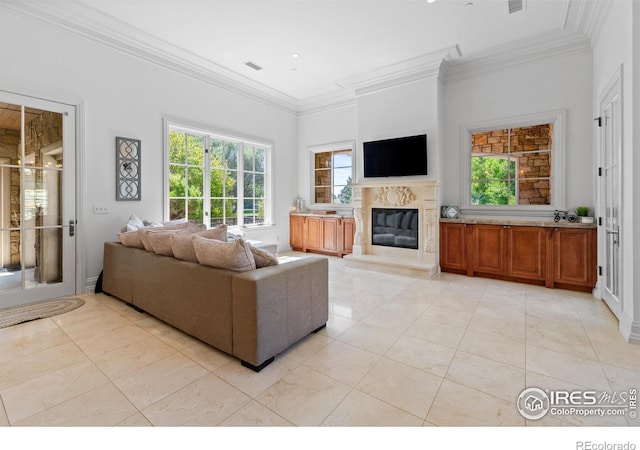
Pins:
x,y
324,148
558,153
208,134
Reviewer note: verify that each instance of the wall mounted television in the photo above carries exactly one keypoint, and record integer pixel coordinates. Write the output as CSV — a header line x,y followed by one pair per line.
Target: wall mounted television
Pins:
x,y
398,157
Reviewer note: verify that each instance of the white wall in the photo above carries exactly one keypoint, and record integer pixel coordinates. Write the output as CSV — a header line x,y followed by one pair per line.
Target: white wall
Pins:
x,y
613,49
320,128
555,84
126,96
404,110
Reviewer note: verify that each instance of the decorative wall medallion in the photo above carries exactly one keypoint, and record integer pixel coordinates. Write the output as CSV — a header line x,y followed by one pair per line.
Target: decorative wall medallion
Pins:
x,y
128,184
395,196
450,212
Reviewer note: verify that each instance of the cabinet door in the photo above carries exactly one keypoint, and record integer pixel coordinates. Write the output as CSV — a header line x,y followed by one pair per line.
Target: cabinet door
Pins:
x,y
314,233
453,246
330,227
296,232
489,249
526,252
348,232
574,256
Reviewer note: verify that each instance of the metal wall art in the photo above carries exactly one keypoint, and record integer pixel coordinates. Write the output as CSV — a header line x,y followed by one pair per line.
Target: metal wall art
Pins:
x,y
128,184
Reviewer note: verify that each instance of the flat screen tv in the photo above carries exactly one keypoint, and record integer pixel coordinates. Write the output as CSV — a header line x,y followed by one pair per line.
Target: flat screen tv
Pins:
x,y
398,157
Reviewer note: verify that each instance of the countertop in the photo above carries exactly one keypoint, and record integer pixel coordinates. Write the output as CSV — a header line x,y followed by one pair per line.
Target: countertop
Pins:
x,y
520,222
311,213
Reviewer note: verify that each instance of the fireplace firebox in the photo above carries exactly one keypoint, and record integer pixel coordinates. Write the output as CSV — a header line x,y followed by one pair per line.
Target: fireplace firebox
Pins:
x,y
394,227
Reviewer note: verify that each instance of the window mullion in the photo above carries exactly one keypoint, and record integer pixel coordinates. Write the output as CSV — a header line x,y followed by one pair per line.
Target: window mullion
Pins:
x,y
206,174
240,185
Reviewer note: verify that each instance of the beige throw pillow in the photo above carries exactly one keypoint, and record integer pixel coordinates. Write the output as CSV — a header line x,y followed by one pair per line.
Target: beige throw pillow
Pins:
x,y
263,258
130,239
182,245
236,256
160,239
144,232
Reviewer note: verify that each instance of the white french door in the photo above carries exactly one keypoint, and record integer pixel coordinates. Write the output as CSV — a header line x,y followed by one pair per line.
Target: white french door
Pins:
x,y
609,232
37,200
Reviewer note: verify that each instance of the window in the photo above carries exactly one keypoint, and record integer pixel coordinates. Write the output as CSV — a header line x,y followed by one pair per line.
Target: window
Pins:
x,y
216,179
515,167
332,173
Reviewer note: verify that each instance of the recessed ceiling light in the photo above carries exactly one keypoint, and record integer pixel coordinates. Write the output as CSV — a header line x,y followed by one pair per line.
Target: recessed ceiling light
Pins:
x,y
295,55
469,4
431,1
294,70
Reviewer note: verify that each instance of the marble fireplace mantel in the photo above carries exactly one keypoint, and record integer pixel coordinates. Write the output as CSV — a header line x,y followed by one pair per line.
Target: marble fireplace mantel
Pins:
x,y
420,195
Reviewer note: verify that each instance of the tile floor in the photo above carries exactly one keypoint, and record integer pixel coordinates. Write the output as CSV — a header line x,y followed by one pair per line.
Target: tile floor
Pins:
x,y
397,351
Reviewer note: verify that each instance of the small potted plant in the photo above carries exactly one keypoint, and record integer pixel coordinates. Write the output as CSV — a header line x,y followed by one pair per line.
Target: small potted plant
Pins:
x,y
583,214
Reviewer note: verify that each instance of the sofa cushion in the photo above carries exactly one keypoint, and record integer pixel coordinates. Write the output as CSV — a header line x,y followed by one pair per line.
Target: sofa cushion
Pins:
x,y
131,239
182,244
235,256
262,257
160,238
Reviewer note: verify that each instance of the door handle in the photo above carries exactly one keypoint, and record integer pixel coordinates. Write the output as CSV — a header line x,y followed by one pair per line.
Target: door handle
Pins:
x,y
613,232
72,228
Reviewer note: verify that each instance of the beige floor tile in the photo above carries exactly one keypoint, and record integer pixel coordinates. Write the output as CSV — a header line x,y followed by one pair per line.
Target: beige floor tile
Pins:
x,y
436,332
509,329
254,383
152,383
254,414
304,397
458,405
458,301
619,354
36,395
370,338
102,406
35,365
571,340
437,313
88,322
361,410
402,386
336,325
4,421
26,329
566,367
427,356
208,357
166,333
494,347
396,321
137,420
343,362
356,308
131,357
25,345
106,340
491,377
205,402
307,347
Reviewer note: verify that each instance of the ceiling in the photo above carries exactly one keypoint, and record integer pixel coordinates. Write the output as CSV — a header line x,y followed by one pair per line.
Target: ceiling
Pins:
x,y
339,42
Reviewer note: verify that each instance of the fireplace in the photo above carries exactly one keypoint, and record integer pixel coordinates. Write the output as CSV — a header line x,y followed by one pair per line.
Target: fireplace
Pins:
x,y
394,227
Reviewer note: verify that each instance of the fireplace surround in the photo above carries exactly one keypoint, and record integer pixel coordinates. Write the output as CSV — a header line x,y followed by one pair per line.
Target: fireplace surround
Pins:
x,y
400,196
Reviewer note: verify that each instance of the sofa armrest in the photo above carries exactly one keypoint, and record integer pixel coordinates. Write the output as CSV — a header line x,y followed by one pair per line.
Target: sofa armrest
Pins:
x,y
276,306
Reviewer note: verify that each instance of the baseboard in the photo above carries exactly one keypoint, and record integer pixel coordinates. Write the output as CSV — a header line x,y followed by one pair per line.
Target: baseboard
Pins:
x,y
90,285
630,329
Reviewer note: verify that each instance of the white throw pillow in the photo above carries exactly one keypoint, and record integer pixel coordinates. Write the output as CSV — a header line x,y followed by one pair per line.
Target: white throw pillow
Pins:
x,y
236,256
132,224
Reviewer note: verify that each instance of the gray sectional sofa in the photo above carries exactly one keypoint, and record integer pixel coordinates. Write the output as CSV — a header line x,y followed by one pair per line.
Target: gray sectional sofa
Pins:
x,y
252,315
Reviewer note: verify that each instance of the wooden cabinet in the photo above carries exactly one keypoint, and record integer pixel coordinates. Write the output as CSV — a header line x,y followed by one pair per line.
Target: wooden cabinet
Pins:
x,y
574,257
329,235
551,256
453,247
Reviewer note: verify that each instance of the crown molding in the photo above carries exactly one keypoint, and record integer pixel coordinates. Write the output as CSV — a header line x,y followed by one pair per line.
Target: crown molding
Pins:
x,y
540,47
99,27
586,17
424,66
